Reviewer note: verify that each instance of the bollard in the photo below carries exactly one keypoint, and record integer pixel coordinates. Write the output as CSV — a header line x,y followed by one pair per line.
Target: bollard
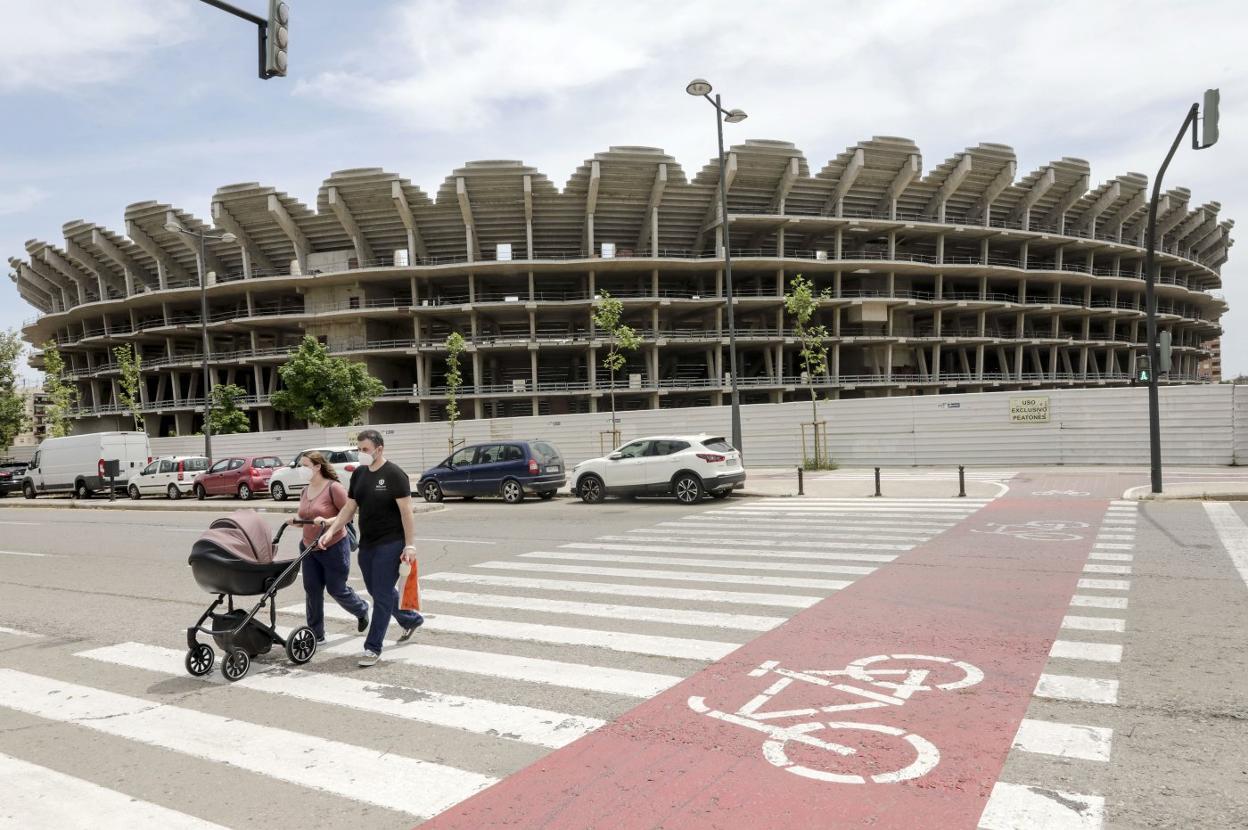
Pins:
x,y
961,482
877,482
800,489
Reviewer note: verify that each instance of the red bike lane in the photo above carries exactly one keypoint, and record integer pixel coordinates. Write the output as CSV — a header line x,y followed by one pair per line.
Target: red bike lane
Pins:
x,y
746,743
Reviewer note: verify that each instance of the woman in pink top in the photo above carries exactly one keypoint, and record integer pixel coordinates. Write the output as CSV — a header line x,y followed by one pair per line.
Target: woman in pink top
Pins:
x,y
326,571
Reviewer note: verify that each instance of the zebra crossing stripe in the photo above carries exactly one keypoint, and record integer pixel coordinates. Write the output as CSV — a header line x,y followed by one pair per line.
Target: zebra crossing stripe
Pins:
x,y
1079,689
784,600
738,530
1019,807
747,564
1088,601
833,509
1064,740
702,548
678,616
419,788
625,641
484,717
835,556
1094,623
36,796
765,520
1079,650
659,536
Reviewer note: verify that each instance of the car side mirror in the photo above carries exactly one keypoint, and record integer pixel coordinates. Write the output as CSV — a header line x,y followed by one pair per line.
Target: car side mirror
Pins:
x,y
615,456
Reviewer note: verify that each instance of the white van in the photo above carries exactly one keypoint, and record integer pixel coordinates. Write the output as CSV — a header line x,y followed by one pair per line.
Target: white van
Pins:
x,y
75,463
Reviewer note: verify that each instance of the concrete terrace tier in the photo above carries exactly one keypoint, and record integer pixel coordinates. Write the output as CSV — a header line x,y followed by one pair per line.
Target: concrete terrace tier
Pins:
x,y
961,279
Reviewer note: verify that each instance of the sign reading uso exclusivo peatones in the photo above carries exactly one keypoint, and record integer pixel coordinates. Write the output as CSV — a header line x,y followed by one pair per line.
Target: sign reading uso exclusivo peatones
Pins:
x,y
1032,410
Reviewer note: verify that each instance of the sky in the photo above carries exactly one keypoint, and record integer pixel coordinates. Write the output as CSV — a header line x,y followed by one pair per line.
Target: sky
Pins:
x,y
110,102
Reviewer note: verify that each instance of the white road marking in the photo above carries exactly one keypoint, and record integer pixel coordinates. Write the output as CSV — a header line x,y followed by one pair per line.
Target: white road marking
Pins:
x,y
798,522
678,616
731,538
18,632
1233,533
1076,623
834,556
1080,689
1019,807
705,549
614,589
456,541
1111,557
625,641
541,727
1087,601
1115,537
1093,568
738,530
354,772
1078,650
847,510
1123,503
1065,740
883,501
1106,584
680,576
20,523
747,564
1111,546
36,796
21,553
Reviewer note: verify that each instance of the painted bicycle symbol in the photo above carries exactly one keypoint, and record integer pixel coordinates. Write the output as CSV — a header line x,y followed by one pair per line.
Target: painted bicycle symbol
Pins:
x,y
1039,531
1060,493
872,683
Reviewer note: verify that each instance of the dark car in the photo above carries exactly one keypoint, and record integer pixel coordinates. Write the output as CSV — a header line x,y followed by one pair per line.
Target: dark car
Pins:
x,y
510,469
242,476
11,478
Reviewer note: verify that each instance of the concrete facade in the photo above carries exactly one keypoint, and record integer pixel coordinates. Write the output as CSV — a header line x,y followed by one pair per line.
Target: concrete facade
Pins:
x,y
965,278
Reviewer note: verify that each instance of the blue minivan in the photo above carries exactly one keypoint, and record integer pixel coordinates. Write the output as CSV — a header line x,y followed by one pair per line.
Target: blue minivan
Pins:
x,y
510,469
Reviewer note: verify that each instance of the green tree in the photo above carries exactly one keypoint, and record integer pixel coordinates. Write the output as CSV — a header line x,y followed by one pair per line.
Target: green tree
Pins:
x,y
325,390
130,362
226,417
12,405
608,312
802,302
454,380
62,395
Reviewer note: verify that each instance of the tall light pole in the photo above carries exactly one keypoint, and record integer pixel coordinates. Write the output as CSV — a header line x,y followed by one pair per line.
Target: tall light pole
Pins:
x,y
1208,139
201,267
699,88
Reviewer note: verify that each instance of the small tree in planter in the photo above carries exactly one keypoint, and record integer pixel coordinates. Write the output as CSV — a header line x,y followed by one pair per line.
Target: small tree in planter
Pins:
x,y
61,393
454,380
802,302
607,313
130,362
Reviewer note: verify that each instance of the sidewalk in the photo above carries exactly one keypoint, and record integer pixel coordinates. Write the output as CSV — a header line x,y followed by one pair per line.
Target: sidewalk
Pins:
x,y
158,504
903,482
1206,491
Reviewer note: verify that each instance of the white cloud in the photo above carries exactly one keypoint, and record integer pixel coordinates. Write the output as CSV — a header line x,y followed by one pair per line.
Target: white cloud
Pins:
x,y
13,202
54,44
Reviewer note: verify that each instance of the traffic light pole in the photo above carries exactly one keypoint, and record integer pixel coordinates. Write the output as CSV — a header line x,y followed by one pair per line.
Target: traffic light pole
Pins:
x,y
1150,303
262,27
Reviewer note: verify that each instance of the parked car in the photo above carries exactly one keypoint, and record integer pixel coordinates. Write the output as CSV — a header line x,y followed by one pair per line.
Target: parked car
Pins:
x,y
11,477
510,469
686,466
76,463
291,479
242,476
173,475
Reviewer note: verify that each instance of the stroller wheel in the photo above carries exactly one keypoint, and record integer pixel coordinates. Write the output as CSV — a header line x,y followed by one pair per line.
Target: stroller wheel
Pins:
x,y
301,645
235,665
199,660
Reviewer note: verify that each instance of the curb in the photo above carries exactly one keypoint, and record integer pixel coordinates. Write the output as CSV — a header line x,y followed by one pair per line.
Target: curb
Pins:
x,y
1142,493
191,507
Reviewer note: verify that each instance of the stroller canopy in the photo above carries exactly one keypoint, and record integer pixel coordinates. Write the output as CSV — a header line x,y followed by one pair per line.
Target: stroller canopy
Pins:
x,y
243,535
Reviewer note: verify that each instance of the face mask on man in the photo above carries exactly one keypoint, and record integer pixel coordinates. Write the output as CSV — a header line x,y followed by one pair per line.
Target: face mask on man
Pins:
x,y
366,458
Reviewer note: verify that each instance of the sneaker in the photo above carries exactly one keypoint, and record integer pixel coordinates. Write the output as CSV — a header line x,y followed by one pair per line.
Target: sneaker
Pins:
x,y
408,632
320,638
368,658
361,623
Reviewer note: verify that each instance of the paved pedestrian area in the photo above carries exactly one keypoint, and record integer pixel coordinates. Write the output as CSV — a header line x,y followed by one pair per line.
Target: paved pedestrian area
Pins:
x,y
1049,656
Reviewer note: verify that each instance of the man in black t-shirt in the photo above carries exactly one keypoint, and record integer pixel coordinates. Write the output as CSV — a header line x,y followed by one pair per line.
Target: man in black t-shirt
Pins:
x,y
381,492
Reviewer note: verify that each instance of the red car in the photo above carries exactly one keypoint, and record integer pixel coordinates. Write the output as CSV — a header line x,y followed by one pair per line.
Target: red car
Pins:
x,y
242,476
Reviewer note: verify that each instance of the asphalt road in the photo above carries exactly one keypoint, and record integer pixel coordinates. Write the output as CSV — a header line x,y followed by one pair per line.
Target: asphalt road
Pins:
x,y
548,621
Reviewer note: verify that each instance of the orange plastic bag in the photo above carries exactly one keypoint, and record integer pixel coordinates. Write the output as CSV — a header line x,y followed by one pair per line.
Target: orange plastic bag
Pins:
x,y
409,598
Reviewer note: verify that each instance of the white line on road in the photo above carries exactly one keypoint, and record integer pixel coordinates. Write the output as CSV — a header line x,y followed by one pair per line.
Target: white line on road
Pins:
x,y
1076,623
1115,537
1065,740
837,510
1111,546
1111,557
1093,568
354,772
18,633
1079,689
685,548
678,616
1233,532
541,727
705,539
456,541
800,523
20,553
835,556
681,576
884,501
35,524
1087,601
36,796
1079,650
614,589
899,534
745,564
1019,807
1105,584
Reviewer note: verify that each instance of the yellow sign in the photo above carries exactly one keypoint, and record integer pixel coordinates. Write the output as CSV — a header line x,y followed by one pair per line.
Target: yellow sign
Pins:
x,y
1029,410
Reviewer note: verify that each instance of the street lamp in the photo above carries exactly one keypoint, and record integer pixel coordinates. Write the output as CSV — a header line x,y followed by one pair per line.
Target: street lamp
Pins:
x,y
1208,139
201,267
699,88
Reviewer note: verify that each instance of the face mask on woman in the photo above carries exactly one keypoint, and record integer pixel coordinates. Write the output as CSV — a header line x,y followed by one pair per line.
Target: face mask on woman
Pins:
x,y
366,458
305,472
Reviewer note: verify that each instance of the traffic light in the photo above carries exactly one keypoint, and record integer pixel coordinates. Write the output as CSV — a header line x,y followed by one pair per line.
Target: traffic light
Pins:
x,y
1209,135
278,38
1163,352
1143,372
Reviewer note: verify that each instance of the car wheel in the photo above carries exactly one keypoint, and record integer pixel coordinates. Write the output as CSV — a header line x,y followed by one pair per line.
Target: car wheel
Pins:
x,y
200,492
173,492
721,494
28,490
133,492
244,492
591,490
277,491
431,491
688,489
81,491
512,492
546,495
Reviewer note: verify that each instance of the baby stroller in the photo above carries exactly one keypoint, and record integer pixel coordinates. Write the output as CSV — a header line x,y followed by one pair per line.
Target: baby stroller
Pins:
x,y
235,557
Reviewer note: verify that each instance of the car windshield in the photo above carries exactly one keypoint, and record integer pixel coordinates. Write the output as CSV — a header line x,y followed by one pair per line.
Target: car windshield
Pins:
x,y
462,457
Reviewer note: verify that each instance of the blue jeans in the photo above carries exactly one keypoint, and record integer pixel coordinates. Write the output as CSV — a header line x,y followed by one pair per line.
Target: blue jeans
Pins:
x,y
326,571
380,566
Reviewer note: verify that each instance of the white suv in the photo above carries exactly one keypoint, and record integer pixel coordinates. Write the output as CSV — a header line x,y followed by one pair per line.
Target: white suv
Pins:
x,y
291,479
172,476
687,466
